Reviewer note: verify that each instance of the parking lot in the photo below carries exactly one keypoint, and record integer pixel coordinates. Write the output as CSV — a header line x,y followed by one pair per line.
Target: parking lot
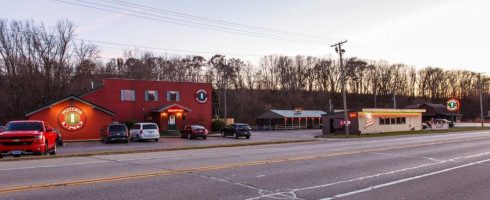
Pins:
x,y
170,142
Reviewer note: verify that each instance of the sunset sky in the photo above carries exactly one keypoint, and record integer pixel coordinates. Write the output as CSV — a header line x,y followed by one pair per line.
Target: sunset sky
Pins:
x,y
451,34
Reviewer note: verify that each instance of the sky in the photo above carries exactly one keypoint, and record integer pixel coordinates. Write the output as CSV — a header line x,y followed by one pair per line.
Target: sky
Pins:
x,y
451,34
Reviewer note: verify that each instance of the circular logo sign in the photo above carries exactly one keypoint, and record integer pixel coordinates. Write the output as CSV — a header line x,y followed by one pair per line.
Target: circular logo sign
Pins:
x,y
201,96
452,105
72,118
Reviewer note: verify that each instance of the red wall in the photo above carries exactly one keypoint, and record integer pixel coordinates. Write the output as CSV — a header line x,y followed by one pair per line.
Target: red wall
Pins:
x,y
109,97
95,120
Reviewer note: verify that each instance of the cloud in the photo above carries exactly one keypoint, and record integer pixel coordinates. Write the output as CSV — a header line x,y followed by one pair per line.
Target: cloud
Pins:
x,y
101,22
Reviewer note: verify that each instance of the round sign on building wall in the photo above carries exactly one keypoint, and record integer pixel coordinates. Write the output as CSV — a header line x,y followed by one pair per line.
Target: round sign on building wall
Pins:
x,y
72,118
201,96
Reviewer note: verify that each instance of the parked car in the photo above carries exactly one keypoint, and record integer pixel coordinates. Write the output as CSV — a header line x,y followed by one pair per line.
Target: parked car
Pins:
x,y
145,131
59,137
114,132
27,137
237,130
440,121
193,131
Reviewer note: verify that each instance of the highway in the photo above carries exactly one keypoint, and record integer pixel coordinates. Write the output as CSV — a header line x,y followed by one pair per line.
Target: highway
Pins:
x,y
432,166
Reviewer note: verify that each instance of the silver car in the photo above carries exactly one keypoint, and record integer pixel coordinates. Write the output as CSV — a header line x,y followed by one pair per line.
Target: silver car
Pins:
x,y
145,131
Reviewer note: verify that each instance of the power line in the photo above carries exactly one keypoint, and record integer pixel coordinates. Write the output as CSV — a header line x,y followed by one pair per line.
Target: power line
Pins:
x,y
145,47
213,20
191,24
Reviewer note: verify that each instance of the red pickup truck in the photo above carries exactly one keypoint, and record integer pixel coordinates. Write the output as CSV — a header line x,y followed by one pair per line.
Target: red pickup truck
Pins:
x,y
27,137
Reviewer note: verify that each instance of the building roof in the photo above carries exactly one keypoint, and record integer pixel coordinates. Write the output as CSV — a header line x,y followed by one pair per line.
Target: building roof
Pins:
x,y
66,99
160,109
393,110
275,114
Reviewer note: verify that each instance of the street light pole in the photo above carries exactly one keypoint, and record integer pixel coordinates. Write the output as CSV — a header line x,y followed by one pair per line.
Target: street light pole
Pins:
x,y
338,49
481,103
226,82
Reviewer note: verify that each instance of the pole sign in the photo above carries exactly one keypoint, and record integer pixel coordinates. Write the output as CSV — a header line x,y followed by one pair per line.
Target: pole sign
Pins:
x,y
452,105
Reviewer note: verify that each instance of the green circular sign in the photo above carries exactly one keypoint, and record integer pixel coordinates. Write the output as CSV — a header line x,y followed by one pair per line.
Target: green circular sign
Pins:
x,y
452,105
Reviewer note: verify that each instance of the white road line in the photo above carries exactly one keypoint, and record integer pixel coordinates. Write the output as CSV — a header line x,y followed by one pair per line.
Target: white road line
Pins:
x,y
293,191
48,166
404,180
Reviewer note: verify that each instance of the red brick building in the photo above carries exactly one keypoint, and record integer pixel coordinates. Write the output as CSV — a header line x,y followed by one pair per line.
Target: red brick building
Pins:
x,y
76,118
169,104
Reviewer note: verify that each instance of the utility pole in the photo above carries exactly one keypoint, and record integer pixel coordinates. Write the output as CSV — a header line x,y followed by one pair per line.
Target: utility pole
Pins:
x,y
394,100
339,50
225,82
481,103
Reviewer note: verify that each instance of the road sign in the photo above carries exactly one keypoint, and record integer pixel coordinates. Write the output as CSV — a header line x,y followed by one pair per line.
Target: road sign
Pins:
x,y
452,105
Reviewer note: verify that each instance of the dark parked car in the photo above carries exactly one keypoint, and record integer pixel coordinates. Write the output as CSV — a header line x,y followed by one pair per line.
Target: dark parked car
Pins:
x,y
193,131
59,137
237,130
114,132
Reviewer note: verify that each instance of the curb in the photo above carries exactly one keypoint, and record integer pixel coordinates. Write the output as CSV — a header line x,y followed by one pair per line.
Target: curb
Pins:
x,y
99,153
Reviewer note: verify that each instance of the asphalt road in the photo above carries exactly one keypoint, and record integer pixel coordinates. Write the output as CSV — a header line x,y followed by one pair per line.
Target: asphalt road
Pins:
x,y
257,136
434,166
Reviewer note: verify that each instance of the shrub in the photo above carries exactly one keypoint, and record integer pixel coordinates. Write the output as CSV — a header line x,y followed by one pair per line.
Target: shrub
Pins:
x,y
129,123
218,125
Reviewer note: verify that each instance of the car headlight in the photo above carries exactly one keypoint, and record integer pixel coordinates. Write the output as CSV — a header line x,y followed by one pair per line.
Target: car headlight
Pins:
x,y
38,139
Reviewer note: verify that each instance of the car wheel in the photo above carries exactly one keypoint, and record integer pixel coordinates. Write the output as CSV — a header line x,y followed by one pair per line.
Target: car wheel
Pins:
x,y
138,138
53,151
156,140
182,135
45,152
248,137
126,141
105,141
235,136
189,136
223,134
203,138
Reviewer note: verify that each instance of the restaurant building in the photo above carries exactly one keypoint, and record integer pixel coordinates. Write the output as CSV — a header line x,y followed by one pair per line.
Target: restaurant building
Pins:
x,y
171,105
289,119
373,120
76,118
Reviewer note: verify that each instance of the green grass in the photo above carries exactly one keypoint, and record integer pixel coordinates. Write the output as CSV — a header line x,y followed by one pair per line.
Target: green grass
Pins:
x,y
457,129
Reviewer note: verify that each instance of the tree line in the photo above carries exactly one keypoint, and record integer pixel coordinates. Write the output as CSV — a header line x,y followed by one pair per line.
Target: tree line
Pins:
x,y
40,64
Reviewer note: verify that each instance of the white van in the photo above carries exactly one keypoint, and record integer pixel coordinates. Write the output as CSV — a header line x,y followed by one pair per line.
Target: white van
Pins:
x,y
145,131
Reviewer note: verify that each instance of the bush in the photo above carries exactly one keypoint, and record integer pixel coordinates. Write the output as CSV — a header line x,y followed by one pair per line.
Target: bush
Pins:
x,y
218,125
129,123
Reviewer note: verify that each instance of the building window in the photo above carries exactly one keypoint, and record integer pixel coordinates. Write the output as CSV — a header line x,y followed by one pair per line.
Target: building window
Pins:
x,y
173,96
151,95
127,95
392,120
400,120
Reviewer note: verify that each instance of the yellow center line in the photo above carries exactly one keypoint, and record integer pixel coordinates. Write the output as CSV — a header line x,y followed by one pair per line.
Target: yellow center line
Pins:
x,y
216,167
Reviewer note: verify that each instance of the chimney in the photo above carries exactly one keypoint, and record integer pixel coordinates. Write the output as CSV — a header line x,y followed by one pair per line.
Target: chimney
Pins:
x,y
92,87
44,100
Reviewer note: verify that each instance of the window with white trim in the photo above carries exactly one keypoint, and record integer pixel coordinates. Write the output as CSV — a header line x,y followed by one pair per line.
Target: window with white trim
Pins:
x,y
127,95
173,96
151,95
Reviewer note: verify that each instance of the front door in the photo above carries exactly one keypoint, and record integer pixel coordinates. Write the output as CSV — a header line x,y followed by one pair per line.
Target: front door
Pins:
x,y
172,122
